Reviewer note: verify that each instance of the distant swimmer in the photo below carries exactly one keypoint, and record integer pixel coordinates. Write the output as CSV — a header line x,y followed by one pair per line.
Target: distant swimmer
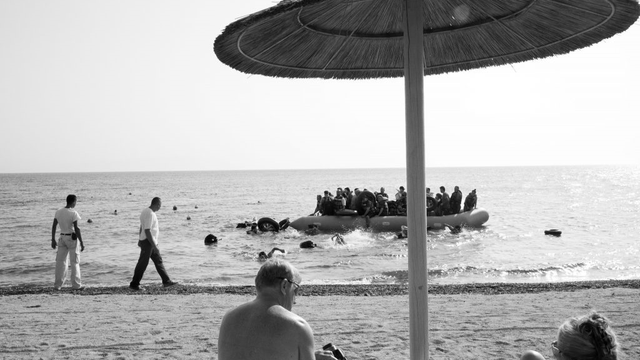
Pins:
x,y
175,208
338,239
115,212
210,239
188,217
454,229
308,244
403,233
254,227
262,256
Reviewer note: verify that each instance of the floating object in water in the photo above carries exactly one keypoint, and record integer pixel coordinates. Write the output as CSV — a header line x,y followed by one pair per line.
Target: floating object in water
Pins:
x,y
196,206
210,239
268,224
115,212
284,224
188,217
89,221
553,232
175,208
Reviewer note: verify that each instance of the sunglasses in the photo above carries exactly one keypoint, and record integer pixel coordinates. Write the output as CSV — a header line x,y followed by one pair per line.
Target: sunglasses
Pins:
x,y
295,291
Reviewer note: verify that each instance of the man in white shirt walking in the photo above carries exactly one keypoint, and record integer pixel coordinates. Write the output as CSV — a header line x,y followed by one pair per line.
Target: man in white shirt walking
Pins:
x,y
67,244
148,243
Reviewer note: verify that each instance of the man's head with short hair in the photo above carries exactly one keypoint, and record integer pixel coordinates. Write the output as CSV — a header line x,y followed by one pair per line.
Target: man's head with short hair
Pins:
x,y
156,203
442,188
71,199
272,273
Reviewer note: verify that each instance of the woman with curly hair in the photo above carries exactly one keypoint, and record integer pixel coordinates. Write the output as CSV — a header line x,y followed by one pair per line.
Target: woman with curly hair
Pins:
x,y
585,338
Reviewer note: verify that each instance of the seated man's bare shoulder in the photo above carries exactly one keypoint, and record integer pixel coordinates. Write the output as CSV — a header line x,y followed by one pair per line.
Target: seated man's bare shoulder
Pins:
x,y
254,331
266,328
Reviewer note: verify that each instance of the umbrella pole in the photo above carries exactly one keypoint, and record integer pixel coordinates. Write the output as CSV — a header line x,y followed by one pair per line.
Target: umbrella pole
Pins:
x,y
416,201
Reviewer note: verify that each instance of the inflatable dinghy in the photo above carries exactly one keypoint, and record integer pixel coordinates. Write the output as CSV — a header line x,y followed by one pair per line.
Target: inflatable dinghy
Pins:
x,y
329,224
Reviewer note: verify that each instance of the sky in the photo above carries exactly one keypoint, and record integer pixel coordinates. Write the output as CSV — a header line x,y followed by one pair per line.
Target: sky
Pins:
x,y
101,86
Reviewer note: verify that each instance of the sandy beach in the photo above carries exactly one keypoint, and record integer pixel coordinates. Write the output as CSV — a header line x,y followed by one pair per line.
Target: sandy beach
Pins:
x,y
479,321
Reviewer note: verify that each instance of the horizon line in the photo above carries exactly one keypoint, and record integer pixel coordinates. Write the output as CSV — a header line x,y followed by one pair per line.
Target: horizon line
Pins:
x,y
316,169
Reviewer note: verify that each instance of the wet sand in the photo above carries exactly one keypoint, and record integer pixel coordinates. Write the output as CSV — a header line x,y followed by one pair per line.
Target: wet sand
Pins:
x,y
472,321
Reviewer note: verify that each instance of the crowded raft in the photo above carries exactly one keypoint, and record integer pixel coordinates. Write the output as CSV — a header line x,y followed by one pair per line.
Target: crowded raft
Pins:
x,y
375,211
370,204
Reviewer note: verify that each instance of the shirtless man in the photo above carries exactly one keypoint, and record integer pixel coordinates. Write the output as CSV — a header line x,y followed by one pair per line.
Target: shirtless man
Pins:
x,y
265,328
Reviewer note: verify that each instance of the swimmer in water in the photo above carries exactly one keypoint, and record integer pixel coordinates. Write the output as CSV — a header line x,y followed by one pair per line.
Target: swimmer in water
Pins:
x,y
454,229
263,257
338,239
404,232
308,244
254,227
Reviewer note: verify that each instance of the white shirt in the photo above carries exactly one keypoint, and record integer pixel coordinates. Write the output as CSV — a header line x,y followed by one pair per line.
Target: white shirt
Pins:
x,y
149,220
66,217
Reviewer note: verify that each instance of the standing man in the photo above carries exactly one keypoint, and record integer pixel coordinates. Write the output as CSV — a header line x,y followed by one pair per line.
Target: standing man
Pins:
x,y
348,196
148,243
265,328
70,234
327,204
430,194
456,200
444,203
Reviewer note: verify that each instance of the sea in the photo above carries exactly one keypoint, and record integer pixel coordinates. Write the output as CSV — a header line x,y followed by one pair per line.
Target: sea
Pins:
x,y
597,208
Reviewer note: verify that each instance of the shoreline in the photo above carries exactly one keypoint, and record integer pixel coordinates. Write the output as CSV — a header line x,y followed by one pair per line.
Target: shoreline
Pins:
x,y
334,290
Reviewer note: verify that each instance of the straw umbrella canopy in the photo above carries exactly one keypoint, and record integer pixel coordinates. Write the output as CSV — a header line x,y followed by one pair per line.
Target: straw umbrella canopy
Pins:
x,y
362,39
368,39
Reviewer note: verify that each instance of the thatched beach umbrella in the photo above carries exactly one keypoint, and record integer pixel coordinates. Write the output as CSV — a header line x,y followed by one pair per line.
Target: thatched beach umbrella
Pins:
x,y
367,39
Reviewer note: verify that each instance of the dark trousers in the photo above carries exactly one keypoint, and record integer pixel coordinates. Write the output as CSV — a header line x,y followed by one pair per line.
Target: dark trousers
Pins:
x,y
146,254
